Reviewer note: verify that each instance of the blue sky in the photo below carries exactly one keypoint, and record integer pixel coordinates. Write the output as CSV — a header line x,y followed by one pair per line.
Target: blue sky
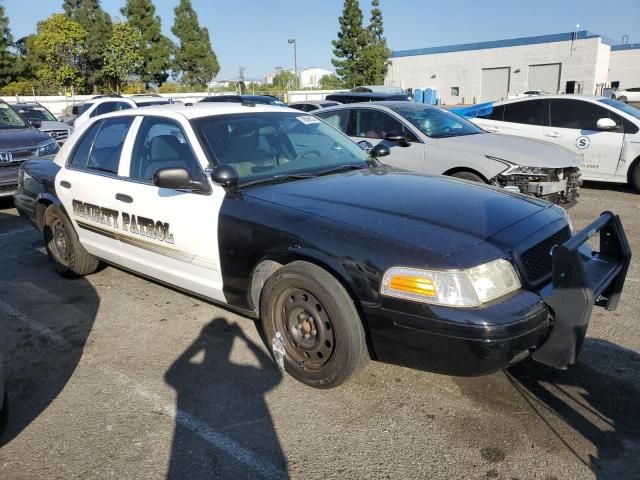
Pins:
x,y
254,33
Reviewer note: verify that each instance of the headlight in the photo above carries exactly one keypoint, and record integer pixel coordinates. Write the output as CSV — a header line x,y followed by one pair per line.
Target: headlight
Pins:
x,y
47,148
456,288
522,170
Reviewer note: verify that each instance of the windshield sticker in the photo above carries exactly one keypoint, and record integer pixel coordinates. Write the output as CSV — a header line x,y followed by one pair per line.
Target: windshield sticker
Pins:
x,y
308,119
583,142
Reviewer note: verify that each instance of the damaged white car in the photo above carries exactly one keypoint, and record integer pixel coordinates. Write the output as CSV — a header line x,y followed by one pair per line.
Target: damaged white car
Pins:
x,y
428,139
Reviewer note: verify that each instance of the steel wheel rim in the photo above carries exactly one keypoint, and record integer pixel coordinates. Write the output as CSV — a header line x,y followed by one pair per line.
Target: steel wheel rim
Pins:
x,y
306,328
62,247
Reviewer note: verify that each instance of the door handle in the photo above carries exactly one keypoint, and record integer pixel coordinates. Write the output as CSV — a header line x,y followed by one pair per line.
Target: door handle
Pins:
x,y
124,198
65,184
553,134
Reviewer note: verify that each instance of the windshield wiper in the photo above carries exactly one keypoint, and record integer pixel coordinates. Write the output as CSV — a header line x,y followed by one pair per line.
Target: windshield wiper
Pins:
x,y
341,168
279,178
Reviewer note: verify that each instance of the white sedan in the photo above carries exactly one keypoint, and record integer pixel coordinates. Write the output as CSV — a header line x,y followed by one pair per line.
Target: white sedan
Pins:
x,y
602,131
629,95
99,106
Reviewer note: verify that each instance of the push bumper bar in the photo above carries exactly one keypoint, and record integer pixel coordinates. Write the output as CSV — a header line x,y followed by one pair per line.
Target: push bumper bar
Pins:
x,y
581,279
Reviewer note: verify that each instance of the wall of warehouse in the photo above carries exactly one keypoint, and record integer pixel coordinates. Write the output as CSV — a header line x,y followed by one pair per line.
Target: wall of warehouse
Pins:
x,y
624,66
584,60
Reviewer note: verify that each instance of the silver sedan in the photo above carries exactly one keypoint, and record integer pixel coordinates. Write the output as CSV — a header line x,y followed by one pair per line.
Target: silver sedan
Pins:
x,y
423,138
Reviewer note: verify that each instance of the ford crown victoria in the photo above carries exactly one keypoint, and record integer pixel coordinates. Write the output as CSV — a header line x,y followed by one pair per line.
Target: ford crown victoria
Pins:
x,y
273,213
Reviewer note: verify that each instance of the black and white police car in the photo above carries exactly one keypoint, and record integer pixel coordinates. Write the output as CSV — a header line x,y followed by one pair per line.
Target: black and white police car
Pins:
x,y
278,215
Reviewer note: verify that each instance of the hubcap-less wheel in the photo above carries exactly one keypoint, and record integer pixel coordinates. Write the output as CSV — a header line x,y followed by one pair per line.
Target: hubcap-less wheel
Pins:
x,y
306,327
62,248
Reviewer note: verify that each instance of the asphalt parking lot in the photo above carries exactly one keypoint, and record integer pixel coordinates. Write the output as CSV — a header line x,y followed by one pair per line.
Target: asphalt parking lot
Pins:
x,y
114,376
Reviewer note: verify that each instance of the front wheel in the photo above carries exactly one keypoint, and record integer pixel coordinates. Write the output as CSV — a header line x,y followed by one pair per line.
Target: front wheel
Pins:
x,y
319,325
67,255
622,99
468,176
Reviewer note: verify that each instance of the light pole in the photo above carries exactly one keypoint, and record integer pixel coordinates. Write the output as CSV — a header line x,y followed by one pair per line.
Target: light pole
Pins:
x,y
295,60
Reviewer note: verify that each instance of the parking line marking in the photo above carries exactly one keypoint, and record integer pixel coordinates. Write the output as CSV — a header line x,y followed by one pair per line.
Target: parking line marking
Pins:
x,y
16,231
243,455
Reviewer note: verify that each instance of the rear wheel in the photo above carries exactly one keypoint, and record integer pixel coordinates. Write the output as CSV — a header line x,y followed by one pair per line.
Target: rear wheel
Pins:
x,y
468,176
67,256
4,412
634,176
622,99
319,325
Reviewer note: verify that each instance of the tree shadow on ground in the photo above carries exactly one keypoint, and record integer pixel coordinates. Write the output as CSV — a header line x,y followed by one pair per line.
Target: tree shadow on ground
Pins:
x,y
223,424
597,400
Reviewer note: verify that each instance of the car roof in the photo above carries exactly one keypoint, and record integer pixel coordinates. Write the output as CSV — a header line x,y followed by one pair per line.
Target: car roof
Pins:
x,y
199,110
380,105
571,96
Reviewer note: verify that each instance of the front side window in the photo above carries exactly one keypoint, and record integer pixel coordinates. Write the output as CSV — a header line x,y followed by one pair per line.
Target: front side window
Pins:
x,y
267,145
530,112
9,118
576,114
437,123
161,143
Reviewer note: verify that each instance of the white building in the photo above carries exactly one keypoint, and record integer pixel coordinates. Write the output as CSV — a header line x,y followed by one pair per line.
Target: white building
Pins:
x,y
310,77
573,62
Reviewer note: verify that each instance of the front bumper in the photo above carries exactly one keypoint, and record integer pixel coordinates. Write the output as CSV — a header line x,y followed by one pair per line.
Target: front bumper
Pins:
x,y
560,187
549,323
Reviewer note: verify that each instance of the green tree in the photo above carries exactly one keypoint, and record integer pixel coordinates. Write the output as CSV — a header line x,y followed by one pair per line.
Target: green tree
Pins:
x,y
58,48
330,82
375,55
347,49
284,80
121,59
7,58
97,23
195,62
154,47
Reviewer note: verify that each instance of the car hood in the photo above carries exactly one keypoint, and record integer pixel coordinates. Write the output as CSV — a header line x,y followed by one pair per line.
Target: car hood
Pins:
x,y
440,214
12,138
521,151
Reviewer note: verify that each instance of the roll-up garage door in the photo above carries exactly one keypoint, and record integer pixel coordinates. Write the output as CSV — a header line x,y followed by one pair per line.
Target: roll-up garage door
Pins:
x,y
545,77
495,84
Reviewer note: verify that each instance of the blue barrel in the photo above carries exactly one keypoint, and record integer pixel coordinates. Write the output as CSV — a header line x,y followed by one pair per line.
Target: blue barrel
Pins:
x,y
418,95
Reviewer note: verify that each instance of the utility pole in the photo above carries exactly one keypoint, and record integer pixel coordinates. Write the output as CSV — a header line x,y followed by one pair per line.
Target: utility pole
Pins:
x,y
295,60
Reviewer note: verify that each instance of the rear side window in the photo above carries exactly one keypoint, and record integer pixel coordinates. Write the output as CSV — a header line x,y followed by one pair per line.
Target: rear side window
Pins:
x,y
108,107
579,115
496,114
101,147
338,119
531,112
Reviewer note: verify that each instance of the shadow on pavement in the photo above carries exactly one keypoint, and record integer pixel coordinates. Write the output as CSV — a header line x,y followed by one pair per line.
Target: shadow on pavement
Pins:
x,y
616,187
227,395
39,362
597,401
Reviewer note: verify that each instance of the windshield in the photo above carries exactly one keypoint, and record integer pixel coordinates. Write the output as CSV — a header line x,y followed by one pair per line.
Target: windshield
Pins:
x,y
35,113
437,123
625,107
269,145
9,118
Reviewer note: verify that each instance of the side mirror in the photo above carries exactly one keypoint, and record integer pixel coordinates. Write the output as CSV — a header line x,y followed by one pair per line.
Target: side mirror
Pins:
x,y
178,179
35,123
398,138
380,150
366,146
226,176
606,124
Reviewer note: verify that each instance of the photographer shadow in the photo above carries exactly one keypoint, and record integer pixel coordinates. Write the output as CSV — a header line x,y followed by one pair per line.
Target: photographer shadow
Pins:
x,y
223,424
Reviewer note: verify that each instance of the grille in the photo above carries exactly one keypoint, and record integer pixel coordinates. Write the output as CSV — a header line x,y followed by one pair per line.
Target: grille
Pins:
x,y
536,262
58,134
24,153
8,188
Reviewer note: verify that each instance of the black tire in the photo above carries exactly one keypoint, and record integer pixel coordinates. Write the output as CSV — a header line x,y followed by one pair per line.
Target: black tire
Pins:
x,y
4,413
622,99
634,176
67,256
300,299
468,176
